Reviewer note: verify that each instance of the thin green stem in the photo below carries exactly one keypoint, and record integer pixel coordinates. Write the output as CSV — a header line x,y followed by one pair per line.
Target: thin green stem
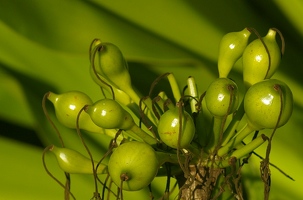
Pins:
x,y
245,150
245,131
143,135
133,95
149,112
112,133
231,129
193,92
249,147
174,86
216,131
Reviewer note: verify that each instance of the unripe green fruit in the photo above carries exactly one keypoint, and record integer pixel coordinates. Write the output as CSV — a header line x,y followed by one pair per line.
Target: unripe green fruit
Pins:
x,y
74,162
262,104
222,97
169,128
112,65
256,60
109,114
231,49
68,105
134,163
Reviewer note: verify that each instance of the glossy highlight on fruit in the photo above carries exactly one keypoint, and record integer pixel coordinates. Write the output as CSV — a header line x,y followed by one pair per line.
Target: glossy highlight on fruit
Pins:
x,y
231,48
222,97
73,162
112,65
109,114
262,104
134,163
68,105
169,125
256,63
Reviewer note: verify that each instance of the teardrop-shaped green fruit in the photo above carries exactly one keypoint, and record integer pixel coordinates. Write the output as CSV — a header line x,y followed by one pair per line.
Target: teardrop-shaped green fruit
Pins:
x,y
112,65
256,63
68,105
109,114
133,163
73,162
266,102
231,48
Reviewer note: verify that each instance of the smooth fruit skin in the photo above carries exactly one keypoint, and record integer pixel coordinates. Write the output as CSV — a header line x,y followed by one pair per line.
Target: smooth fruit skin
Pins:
x,y
256,61
222,97
109,114
68,105
112,65
169,125
135,160
73,162
231,48
262,104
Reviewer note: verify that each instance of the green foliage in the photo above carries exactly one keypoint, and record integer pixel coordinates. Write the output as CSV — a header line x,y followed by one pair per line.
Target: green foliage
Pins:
x,y
44,47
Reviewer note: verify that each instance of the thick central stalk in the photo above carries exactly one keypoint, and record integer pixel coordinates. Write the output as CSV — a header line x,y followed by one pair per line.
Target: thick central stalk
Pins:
x,y
200,183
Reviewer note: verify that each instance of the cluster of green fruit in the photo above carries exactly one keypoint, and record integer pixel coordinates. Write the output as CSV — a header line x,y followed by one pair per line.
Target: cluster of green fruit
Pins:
x,y
150,131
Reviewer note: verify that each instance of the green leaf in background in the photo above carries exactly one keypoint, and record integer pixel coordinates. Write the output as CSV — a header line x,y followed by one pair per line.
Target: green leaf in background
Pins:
x,y
44,46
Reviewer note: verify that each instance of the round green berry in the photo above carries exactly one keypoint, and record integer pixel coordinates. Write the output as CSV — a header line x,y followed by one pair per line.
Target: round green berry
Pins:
x,y
135,164
268,102
222,97
169,128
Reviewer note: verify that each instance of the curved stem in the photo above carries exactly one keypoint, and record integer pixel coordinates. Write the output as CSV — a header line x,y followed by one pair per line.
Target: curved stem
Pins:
x,y
149,113
231,129
116,93
51,97
143,135
249,147
133,95
174,86
245,131
245,150
112,133
193,92
216,132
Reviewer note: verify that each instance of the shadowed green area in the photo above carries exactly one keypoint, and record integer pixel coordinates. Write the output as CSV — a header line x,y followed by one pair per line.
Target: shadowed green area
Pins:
x,y
44,47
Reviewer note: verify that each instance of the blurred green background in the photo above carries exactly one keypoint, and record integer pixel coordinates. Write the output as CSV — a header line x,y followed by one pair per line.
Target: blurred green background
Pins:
x,y
44,47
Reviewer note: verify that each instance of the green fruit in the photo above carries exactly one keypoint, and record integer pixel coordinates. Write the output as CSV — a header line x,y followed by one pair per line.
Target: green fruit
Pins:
x,y
222,97
256,65
68,105
109,70
112,65
74,162
169,128
231,48
267,101
134,163
109,114
119,95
